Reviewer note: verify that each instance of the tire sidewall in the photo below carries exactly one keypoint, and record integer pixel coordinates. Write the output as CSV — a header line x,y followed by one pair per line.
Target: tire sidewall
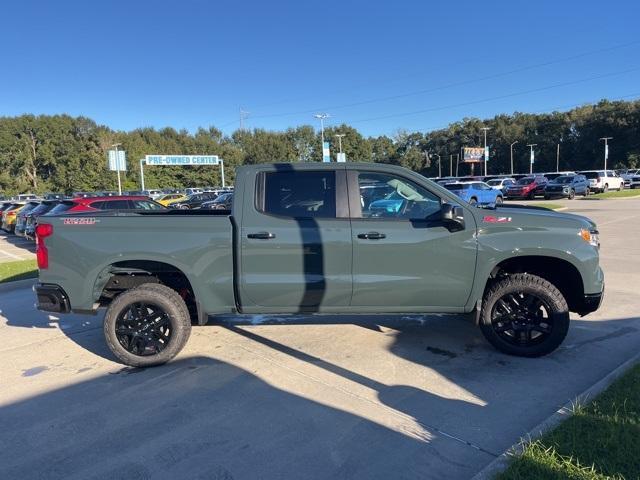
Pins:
x,y
165,298
532,284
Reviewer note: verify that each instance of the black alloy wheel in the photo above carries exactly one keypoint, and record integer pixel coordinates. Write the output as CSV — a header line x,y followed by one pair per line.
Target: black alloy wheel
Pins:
x,y
521,319
143,329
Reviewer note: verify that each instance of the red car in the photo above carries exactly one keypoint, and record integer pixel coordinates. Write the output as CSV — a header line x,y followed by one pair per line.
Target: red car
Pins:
x,y
527,187
94,204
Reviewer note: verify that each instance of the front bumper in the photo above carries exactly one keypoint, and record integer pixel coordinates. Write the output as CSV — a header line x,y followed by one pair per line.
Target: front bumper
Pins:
x,y
52,298
590,303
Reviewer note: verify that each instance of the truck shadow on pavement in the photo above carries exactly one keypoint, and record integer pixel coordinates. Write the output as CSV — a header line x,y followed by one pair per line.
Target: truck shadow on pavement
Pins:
x,y
202,418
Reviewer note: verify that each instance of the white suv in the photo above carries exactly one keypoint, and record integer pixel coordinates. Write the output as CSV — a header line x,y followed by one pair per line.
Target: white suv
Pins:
x,y
603,180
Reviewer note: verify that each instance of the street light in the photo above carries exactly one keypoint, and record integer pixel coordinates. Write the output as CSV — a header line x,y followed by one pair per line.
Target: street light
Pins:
x,y
340,135
116,145
606,149
511,149
321,117
531,157
486,154
439,166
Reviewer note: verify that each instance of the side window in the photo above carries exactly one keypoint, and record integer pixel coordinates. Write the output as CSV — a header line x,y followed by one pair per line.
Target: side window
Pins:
x,y
387,196
98,205
300,194
115,205
144,205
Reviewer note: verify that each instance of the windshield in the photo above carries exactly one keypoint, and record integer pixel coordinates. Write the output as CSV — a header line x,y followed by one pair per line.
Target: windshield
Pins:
x,y
61,207
494,183
563,179
525,181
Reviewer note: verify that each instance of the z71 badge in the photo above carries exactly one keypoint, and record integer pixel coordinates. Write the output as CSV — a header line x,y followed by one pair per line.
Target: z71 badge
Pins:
x,y
79,221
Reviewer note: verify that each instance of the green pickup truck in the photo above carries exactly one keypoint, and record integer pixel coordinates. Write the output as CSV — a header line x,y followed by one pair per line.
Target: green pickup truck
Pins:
x,y
344,238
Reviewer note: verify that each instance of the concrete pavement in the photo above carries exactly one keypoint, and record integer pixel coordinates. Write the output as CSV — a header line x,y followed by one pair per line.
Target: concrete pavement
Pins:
x,y
327,397
13,248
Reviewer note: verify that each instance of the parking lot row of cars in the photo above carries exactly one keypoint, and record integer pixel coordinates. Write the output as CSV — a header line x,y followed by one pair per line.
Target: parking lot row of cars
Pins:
x,y
495,189
19,215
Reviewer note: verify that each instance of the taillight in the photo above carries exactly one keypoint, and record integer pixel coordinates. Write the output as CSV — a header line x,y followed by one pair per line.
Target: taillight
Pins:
x,y
43,231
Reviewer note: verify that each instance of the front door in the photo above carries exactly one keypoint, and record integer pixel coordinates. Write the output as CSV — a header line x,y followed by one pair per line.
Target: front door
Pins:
x,y
295,242
403,256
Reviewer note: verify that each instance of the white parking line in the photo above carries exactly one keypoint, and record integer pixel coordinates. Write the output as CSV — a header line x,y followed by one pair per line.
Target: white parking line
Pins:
x,y
11,255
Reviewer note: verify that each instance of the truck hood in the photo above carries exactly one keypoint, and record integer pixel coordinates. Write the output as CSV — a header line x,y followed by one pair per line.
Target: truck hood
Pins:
x,y
536,217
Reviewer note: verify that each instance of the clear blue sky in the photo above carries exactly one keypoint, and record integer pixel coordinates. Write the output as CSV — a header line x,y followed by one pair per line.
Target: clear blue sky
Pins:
x,y
191,63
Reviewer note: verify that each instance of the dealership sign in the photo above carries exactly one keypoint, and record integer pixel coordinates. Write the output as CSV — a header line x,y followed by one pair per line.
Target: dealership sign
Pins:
x,y
473,154
182,160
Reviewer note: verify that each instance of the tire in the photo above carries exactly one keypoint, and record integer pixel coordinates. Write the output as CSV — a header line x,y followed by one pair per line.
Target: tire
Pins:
x,y
183,207
473,201
587,192
621,187
605,188
173,317
572,194
547,197
533,342
531,196
499,200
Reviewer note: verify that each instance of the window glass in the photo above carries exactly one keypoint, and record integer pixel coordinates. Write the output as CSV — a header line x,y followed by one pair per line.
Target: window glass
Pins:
x,y
145,205
300,194
114,205
387,196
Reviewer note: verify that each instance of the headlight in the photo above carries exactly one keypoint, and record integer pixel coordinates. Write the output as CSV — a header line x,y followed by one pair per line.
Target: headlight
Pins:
x,y
590,236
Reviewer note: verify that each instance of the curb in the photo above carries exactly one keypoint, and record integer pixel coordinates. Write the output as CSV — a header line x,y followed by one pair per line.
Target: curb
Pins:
x,y
502,462
9,286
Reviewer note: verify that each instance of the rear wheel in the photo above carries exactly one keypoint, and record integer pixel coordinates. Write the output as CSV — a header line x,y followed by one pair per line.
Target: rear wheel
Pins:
x,y
147,325
587,192
605,189
532,196
621,187
524,315
572,194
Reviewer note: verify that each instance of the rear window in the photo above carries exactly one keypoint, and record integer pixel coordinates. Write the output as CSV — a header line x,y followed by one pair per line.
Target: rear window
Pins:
x,y
525,181
457,186
591,174
300,194
61,208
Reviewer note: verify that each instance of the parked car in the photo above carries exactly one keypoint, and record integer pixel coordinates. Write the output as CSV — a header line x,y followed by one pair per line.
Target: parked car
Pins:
x,y
193,201
527,187
9,216
4,205
23,197
31,220
628,177
501,184
53,196
152,194
169,198
603,180
21,220
192,191
222,202
476,193
567,186
296,241
553,175
94,204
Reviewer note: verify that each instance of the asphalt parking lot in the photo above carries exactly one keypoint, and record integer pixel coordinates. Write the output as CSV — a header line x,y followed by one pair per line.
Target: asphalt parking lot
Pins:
x,y
13,248
299,397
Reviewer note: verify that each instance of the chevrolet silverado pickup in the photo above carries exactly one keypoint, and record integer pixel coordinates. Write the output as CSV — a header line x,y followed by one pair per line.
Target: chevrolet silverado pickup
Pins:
x,y
310,238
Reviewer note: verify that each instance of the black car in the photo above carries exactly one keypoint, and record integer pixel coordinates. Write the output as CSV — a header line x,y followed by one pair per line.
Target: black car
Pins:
x,y
194,201
223,202
32,217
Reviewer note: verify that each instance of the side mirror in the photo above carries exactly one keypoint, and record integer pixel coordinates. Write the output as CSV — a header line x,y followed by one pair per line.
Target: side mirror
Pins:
x,y
452,217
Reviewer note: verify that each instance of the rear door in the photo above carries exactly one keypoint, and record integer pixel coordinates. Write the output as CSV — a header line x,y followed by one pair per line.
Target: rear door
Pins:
x,y
295,241
405,258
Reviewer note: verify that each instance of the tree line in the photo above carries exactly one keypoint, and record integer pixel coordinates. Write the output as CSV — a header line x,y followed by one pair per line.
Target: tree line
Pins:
x,y
60,153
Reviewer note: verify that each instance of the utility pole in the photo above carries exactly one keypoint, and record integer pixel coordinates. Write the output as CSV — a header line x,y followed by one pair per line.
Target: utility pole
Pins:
x,y
531,157
606,149
243,115
558,158
451,165
511,149
340,135
486,152
321,117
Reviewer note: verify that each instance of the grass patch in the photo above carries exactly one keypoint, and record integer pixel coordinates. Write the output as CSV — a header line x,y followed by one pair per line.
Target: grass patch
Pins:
x,y
19,270
614,194
601,440
547,205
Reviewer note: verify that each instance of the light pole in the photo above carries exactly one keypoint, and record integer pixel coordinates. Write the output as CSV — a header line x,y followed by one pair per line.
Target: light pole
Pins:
x,y
531,157
486,153
116,145
439,165
558,158
606,149
511,150
340,135
451,164
321,117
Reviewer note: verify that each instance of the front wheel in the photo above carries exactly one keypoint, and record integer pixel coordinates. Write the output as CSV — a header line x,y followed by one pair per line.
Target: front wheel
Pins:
x,y
147,325
605,189
473,201
524,315
587,192
499,200
572,194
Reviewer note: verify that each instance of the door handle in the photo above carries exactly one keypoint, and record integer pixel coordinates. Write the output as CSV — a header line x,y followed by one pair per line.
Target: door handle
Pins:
x,y
262,235
372,236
